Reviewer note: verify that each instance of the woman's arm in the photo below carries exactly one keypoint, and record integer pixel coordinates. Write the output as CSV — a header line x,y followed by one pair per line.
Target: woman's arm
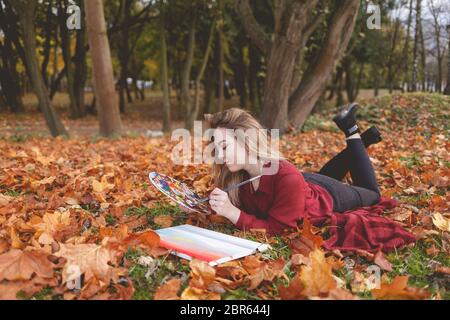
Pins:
x,y
287,208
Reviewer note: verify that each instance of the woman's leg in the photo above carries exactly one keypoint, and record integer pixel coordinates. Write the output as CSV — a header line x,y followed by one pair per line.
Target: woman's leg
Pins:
x,y
361,169
363,192
338,166
345,196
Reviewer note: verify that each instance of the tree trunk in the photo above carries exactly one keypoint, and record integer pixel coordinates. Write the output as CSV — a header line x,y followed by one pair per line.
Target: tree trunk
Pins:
x,y
375,77
9,78
339,78
405,54
194,112
186,101
435,12
422,52
106,97
164,72
447,87
80,73
26,11
67,57
240,73
416,47
47,44
221,60
316,76
391,56
210,90
280,67
349,81
123,55
254,67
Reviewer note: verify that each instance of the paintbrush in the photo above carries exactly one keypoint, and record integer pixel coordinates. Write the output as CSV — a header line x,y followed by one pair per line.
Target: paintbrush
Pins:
x,y
237,185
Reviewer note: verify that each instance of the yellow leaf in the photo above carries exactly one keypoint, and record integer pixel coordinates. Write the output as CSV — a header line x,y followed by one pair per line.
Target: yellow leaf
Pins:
x,y
318,277
88,259
441,222
101,186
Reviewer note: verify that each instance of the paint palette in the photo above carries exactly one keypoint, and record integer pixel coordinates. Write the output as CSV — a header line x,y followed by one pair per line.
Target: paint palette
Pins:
x,y
179,192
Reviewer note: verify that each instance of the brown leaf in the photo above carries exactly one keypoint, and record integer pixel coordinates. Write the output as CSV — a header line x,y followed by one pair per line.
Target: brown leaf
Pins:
x,y
4,245
443,270
21,265
202,274
164,221
89,259
293,291
148,239
169,290
199,294
398,290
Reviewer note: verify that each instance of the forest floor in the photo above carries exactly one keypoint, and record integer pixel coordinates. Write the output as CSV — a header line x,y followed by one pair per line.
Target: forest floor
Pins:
x,y
86,202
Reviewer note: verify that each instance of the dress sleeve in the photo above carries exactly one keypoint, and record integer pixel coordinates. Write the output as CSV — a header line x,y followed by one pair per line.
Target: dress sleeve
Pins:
x,y
287,208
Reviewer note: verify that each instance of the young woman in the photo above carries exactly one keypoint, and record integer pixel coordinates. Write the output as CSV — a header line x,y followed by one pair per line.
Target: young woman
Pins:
x,y
279,200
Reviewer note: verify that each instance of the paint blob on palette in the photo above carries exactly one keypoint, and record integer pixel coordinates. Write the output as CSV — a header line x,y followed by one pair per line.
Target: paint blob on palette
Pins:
x,y
178,192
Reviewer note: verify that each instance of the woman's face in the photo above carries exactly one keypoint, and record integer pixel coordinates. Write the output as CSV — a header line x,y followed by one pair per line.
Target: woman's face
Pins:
x,y
230,150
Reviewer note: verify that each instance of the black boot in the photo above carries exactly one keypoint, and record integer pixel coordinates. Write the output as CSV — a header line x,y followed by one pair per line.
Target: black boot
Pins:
x,y
346,121
371,136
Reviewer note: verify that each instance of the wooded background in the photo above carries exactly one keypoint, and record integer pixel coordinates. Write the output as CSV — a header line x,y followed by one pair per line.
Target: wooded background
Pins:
x,y
281,58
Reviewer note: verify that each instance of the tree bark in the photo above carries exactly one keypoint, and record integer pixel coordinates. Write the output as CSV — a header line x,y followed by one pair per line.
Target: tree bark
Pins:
x,y
240,73
220,71
25,9
9,78
47,44
435,12
253,86
313,83
405,54
164,71
210,90
416,48
80,73
447,87
422,52
391,75
67,57
186,101
124,55
106,97
194,112
293,21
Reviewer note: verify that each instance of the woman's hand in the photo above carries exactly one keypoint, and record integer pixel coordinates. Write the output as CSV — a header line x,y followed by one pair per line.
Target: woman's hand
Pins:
x,y
222,205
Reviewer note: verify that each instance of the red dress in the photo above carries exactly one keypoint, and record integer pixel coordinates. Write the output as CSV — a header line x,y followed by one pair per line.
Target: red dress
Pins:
x,y
285,198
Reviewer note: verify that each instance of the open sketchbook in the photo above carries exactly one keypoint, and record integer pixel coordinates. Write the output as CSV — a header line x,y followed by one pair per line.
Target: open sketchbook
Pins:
x,y
189,242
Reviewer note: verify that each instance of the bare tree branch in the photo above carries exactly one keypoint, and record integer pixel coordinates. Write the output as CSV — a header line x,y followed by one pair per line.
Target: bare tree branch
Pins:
x,y
278,11
252,27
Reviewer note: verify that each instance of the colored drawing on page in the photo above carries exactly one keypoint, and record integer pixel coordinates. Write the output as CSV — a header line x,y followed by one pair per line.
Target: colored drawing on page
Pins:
x,y
179,192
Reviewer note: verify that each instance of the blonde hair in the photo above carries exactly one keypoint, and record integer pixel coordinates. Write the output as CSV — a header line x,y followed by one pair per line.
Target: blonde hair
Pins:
x,y
240,120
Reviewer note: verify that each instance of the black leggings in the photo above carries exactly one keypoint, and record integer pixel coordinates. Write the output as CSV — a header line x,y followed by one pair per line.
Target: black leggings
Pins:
x,y
363,192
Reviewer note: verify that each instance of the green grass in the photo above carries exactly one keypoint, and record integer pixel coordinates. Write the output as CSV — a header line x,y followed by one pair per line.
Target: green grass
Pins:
x,y
416,263
44,294
146,279
239,294
12,193
411,161
110,220
158,209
